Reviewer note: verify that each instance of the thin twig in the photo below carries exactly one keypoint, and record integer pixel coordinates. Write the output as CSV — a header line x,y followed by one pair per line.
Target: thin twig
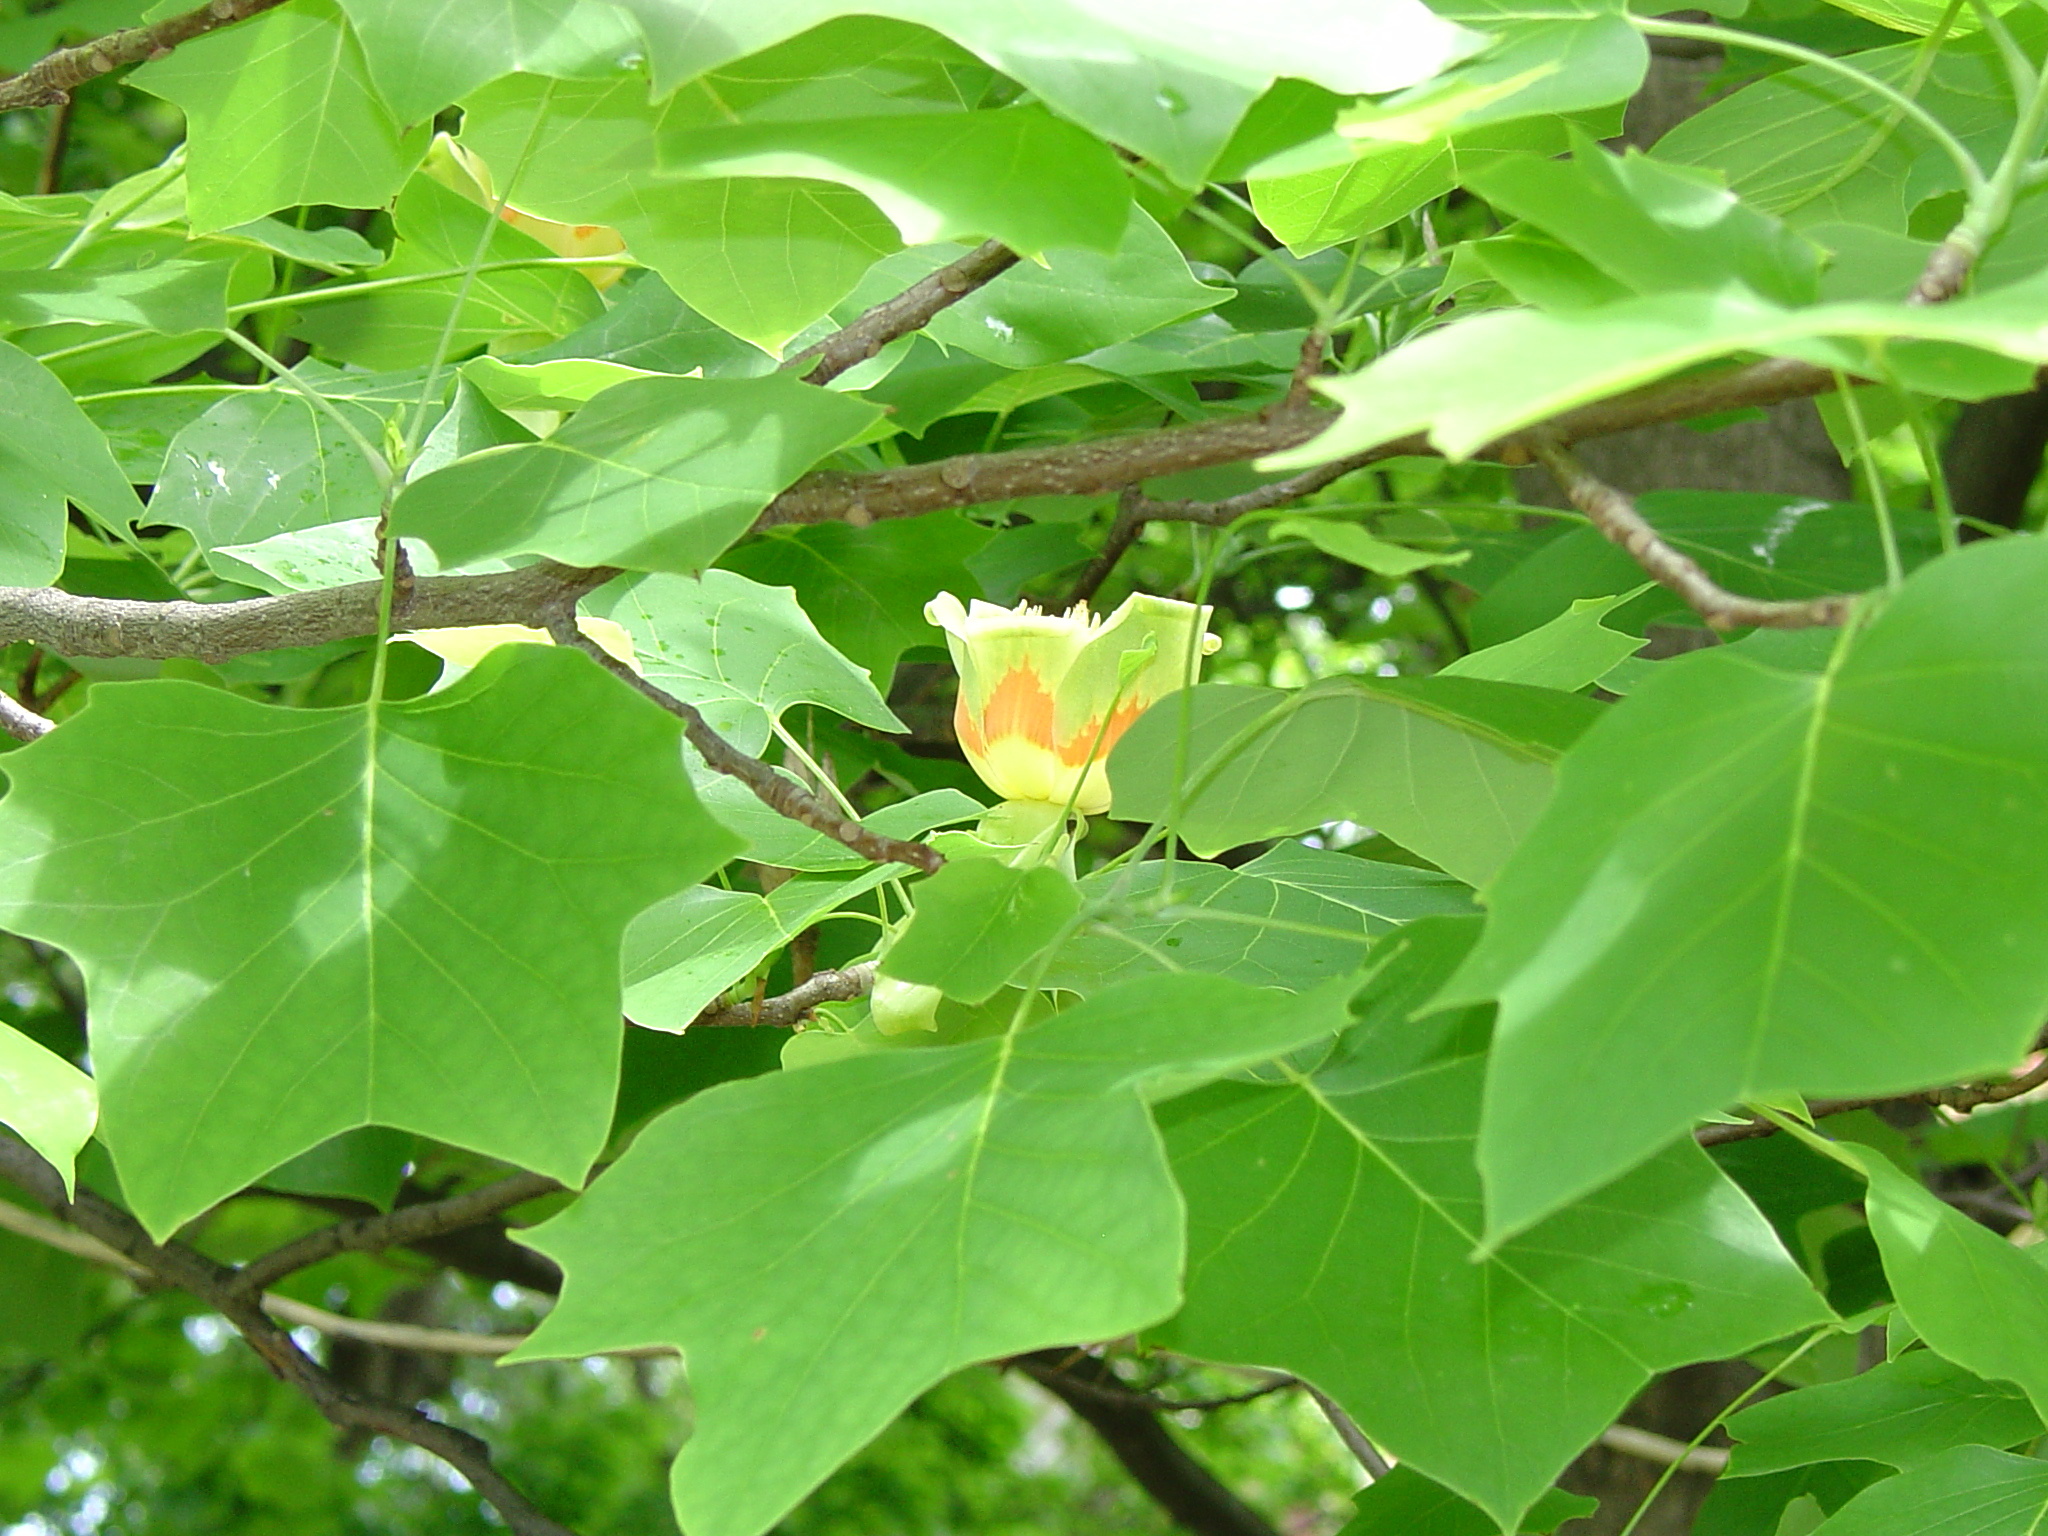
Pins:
x,y
778,793
1964,1096
398,1228
780,1012
1355,1441
1645,1445
1615,515
56,144
52,79
21,722
911,310
175,1264
1105,1389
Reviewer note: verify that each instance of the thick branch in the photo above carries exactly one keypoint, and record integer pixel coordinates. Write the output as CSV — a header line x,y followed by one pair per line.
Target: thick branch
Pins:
x,y
1157,1461
781,1012
777,792
911,310
51,80
1615,515
175,1264
101,626
401,1227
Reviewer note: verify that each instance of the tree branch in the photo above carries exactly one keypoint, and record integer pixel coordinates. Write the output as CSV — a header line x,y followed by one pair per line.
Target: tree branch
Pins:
x,y
778,793
398,1228
72,625
21,722
781,1012
1963,1096
1157,1462
51,80
175,1264
911,310
1615,515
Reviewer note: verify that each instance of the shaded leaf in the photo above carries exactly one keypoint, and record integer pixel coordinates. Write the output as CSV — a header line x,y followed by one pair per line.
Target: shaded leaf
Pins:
x,y
1455,769
1969,1491
1899,1413
49,452
1332,1222
865,588
1291,918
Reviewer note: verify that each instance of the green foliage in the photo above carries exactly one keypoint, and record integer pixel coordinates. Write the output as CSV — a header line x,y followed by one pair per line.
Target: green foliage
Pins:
x,y
1371,1035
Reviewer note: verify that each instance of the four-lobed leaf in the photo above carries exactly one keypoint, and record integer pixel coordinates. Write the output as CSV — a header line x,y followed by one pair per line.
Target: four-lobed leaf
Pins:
x,y
293,922
858,1230
1823,863
1333,1220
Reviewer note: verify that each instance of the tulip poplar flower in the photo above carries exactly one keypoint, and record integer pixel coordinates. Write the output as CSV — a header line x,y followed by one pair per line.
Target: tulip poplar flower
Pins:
x,y
1043,697
457,167
461,649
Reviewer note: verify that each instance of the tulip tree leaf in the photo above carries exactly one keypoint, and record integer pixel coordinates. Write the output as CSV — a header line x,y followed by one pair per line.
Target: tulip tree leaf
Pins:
x,y
1291,918
1469,383
1332,1222
761,256
409,325
1171,81
1455,769
50,451
422,57
1405,1503
1080,301
1785,912
1352,544
1969,1491
978,923
741,652
292,922
171,297
655,474
682,952
1899,1413
45,1100
1761,545
1018,175
280,111
865,588
1569,652
1977,1300
860,1229
258,465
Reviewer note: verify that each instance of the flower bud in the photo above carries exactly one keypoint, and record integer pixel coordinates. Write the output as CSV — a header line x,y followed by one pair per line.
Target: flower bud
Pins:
x,y
1043,697
898,1007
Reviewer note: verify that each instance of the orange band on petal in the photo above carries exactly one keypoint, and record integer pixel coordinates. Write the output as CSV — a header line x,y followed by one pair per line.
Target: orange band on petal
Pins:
x,y
1082,746
1019,705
